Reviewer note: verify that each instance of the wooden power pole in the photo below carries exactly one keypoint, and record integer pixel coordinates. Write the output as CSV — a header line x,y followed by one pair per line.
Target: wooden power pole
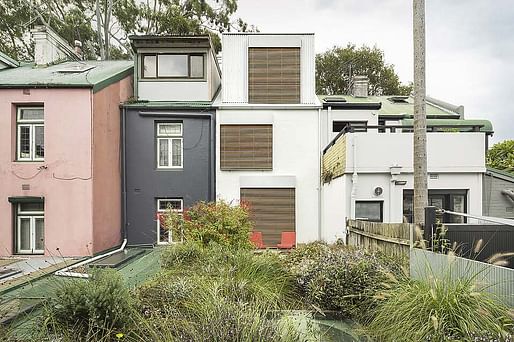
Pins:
x,y
420,118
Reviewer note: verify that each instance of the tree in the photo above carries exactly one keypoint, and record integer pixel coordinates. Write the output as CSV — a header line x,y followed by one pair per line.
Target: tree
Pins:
x,y
336,67
501,156
103,26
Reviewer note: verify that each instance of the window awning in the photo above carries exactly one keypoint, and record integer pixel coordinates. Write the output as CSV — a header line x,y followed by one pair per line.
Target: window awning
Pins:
x,y
25,199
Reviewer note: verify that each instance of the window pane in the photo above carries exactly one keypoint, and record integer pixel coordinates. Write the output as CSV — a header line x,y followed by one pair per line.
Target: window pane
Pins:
x,y
458,207
170,129
31,206
24,231
173,66
163,152
31,114
173,204
149,66
164,234
24,142
40,235
176,156
196,66
39,141
368,210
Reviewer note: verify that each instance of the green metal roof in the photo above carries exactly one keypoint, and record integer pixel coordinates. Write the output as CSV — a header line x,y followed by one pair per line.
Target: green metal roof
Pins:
x,y
504,173
8,60
169,104
466,125
390,108
103,74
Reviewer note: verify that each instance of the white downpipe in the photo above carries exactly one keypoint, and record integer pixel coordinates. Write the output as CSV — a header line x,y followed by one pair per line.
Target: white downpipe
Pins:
x,y
355,178
66,272
320,183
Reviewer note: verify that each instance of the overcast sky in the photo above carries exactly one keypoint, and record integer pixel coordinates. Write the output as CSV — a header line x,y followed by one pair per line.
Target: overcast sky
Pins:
x,y
470,44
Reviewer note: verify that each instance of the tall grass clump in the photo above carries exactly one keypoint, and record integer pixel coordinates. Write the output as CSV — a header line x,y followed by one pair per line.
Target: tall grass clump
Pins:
x,y
443,308
341,278
89,309
212,222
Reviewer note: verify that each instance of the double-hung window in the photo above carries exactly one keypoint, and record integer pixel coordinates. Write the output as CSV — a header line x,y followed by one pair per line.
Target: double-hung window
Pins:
x,y
30,134
164,234
30,224
169,145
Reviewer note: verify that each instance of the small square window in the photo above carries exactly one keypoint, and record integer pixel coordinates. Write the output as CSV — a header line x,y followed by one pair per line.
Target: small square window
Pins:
x,y
369,210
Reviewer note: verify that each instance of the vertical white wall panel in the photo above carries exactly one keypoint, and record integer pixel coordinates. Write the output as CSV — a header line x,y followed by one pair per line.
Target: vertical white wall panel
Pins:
x,y
235,68
308,70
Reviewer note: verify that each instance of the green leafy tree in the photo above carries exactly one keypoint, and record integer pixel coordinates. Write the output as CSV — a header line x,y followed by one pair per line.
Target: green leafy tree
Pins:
x,y
501,156
103,26
336,67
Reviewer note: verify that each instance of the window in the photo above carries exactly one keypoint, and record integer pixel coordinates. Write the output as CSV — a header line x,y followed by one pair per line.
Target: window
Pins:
x,y
30,134
274,75
272,210
173,66
246,147
453,200
169,146
369,210
164,235
354,126
30,224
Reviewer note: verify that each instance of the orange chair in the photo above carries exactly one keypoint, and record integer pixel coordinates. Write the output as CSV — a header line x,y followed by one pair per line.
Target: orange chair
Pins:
x,y
256,239
287,240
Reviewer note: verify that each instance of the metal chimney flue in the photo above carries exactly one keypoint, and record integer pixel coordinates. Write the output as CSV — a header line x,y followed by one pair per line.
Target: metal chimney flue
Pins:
x,y
360,86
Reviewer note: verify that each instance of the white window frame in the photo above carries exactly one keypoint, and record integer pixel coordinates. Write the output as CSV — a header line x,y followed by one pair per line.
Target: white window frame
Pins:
x,y
170,138
31,124
32,216
159,210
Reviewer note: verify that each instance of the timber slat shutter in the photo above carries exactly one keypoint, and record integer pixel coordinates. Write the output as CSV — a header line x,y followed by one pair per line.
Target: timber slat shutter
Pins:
x,y
274,75
246,147
272,210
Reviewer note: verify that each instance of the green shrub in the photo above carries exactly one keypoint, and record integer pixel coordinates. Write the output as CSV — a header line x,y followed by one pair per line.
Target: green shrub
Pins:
x,y
101,303
440,309
342,278
217,222
181,254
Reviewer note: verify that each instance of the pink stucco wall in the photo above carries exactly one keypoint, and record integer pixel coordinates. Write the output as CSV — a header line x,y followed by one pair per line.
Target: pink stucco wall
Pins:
x,y
106,164
63,178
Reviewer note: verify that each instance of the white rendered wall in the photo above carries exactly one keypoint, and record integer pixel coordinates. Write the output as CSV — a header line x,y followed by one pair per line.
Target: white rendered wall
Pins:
x,y
329,115
235,63
295,161
334,215
174,91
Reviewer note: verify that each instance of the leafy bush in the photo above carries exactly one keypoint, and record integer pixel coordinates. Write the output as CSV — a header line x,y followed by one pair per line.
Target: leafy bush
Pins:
x,y
182,254
501,156
441,309
99,304
217,222
342,278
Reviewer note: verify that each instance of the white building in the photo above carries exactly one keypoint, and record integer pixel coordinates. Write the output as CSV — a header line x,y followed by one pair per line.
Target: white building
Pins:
x,y
268,132
367,167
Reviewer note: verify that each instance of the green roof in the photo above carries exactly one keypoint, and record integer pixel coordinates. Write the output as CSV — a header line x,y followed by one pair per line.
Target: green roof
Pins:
x,y
390,108
97,75
461,125
504,173
169,104
8,60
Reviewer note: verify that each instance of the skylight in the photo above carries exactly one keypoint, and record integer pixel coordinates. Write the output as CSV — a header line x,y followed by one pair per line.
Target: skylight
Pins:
x,y
398,99
75,67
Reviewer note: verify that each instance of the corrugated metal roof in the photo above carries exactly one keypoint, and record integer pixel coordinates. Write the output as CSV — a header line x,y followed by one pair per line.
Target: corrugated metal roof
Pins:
x,y
455,123
170,104
100,76
8,60
394,108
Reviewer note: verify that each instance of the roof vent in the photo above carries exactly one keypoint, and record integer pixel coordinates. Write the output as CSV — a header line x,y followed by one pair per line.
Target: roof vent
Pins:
x,y
398,99
333,99
70,68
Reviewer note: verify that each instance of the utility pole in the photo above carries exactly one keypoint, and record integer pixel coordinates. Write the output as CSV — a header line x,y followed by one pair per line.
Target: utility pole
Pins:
x,y
420,118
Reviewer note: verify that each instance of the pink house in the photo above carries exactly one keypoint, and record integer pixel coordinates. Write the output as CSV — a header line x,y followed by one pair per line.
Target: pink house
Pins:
x,y
60,191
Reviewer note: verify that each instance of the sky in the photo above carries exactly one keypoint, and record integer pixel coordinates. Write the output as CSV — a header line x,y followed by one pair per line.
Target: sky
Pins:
x,y
469,44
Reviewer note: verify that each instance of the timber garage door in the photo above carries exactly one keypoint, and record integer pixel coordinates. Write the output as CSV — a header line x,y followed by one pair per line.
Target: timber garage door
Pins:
x,y
272,210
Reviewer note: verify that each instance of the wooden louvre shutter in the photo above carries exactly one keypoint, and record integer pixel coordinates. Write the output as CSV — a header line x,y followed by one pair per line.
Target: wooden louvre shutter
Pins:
x,y
272,210
274,75
246,147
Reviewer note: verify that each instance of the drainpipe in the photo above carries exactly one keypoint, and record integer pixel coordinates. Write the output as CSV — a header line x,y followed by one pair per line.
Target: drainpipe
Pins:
x,y
320,184
354,177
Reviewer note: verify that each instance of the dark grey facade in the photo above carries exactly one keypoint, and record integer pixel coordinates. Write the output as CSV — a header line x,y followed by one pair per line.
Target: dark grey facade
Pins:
x,y
498,189
144,182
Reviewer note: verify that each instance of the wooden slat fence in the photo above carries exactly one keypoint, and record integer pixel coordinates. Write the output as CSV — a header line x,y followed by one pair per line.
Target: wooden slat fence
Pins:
x,y
390,238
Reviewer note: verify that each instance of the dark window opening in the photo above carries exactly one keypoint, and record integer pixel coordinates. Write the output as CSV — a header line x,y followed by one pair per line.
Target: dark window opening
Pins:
x,y
354,126
452,200
369,210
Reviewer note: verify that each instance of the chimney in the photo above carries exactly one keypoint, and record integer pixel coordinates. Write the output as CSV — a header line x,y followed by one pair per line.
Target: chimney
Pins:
x,y
49,47
360,86
78,49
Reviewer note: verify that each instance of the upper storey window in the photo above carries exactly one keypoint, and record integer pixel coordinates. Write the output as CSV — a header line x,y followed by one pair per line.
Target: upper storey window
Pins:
x,y
274,75
182,66
30,134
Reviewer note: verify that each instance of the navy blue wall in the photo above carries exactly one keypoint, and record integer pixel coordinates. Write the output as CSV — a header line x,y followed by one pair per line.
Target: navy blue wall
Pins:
x,y
144,183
